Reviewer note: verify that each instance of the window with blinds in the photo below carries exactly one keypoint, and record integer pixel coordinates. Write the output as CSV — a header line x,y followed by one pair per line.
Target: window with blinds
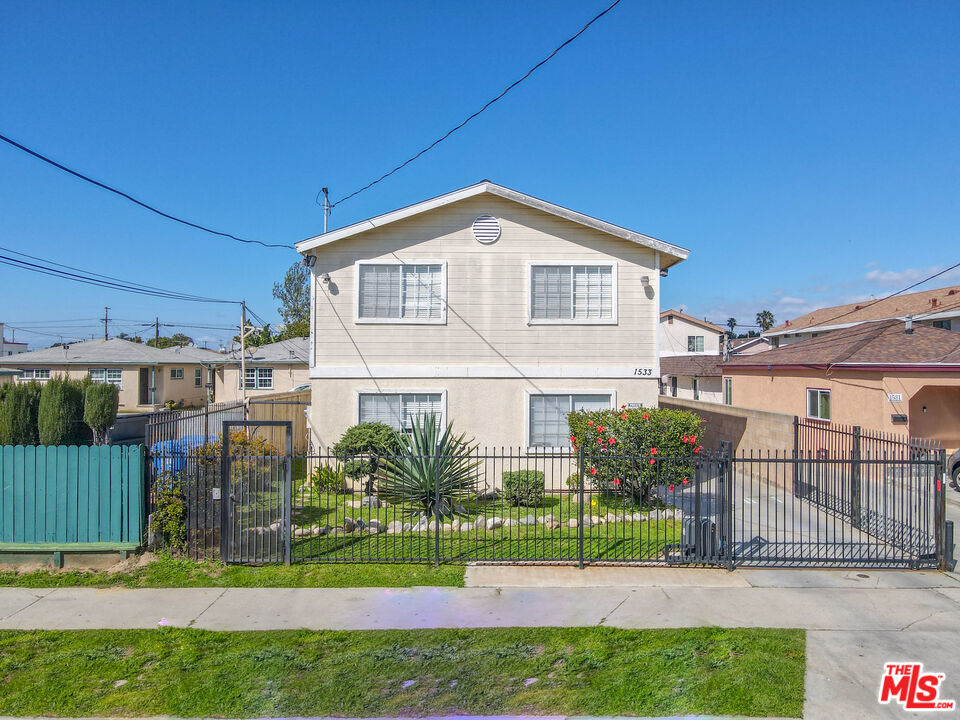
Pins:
x,y
398,410
401,292
571,293
548,417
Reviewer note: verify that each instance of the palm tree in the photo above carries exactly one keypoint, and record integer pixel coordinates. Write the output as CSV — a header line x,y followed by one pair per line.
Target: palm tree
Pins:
x,y
731,323
765,320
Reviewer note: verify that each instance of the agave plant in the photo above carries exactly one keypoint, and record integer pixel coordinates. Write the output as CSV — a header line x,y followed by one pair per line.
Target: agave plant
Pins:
x,y
432,471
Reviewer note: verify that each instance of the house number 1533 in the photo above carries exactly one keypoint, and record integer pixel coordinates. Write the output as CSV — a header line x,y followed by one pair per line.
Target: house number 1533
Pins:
x,y
643,372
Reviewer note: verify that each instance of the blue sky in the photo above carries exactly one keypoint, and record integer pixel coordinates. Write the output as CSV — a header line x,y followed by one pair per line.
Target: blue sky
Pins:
x,y
806,153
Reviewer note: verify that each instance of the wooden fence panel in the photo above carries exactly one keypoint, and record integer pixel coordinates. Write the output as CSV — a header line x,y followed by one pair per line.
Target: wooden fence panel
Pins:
x,y
71,495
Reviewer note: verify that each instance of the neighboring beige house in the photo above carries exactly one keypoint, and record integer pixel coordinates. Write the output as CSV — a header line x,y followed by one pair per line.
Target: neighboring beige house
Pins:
x,y
498,311
147,377
939,308
274,368
8,348
685,335
882,375
8,375
692,377
748,345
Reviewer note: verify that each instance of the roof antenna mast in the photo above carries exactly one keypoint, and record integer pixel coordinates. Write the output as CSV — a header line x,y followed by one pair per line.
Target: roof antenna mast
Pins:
x,y
326,207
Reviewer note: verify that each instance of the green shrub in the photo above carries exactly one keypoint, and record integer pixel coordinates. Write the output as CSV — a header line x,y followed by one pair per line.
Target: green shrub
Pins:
x,y
168,519
328,479
371,441
523,487
18,414
100,409
573,481
60,412
632,451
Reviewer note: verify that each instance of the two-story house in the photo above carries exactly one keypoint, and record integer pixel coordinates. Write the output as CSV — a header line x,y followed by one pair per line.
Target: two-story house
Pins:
x,y
496,310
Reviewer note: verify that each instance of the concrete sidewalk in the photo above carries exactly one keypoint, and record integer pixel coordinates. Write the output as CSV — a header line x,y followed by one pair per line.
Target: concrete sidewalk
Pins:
x,y
856,620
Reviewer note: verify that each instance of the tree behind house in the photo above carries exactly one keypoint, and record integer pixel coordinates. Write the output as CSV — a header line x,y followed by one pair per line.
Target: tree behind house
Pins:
x,y
294,296
60,412
765,320
100,409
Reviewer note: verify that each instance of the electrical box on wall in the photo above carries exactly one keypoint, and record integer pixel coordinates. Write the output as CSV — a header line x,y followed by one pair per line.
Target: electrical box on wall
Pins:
x,y
898,418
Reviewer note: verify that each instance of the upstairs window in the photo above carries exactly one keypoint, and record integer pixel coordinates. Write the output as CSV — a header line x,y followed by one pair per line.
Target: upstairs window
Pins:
x,y
695,343
572,293
401,292
818,404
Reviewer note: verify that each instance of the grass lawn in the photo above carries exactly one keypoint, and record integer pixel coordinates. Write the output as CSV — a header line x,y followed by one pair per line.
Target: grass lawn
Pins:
x,y
572,671
167,571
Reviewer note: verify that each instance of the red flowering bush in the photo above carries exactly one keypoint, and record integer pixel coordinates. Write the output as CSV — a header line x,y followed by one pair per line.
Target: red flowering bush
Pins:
x,y
632,451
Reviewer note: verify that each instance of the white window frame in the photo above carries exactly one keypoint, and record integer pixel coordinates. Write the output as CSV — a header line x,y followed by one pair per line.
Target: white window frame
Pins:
x,y
442,320
33,374
728,391
106,381
198,377
527,394
695,338
256,379
819,392
176,373
614,305
401,391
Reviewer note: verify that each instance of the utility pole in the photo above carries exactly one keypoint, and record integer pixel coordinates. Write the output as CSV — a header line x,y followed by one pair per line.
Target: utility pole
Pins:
x,y
326,207
243,350
106,320
156,332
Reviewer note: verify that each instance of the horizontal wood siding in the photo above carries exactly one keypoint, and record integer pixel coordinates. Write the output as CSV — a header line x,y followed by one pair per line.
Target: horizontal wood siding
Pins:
x,y
67,495
487,292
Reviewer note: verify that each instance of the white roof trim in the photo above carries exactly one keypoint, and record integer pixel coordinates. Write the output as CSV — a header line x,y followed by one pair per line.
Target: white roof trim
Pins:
x,y
673,251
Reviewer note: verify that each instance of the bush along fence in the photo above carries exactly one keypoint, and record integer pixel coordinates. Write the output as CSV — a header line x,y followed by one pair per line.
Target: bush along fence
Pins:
x,y
654,498
71,497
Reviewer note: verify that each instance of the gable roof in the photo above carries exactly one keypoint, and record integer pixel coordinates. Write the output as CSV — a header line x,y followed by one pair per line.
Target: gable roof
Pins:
x,y
673,253
115,351
293,350
947,300
691,365
690,319
877,344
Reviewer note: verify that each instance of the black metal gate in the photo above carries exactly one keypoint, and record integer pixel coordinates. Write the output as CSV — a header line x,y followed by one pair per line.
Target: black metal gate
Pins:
x,y
256,494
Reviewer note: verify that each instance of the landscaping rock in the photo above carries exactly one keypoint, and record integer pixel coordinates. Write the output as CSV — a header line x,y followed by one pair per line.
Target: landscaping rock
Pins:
x,y
375,526
587,521
407,527
596,520
302,532
553,525
572,522
528,520
611,517
422,524
638,517
480,523
509,522
455,525
370,501
348,525
395,527
547,519
494,523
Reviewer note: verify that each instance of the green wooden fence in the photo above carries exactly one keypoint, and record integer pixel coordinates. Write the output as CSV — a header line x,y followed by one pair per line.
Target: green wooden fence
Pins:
x,y
68,495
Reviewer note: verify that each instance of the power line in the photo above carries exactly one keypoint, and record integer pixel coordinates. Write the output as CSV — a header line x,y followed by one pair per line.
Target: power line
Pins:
x,y
132,199
49,267
475,114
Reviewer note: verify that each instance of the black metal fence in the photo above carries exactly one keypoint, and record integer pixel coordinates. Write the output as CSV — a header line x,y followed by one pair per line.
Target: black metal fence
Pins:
x,y
562,507
173,431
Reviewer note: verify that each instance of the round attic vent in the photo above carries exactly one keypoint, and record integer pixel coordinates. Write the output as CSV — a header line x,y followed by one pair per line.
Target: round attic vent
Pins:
x,y
486,229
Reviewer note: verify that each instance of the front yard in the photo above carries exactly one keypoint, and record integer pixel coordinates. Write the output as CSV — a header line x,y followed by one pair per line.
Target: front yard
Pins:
x,y
536,671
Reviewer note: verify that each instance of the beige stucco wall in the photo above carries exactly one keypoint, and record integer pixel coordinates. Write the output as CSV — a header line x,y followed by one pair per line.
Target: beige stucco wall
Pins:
x,y
285,378
746,430
487,320
673,337
182,391
491,410
858,398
